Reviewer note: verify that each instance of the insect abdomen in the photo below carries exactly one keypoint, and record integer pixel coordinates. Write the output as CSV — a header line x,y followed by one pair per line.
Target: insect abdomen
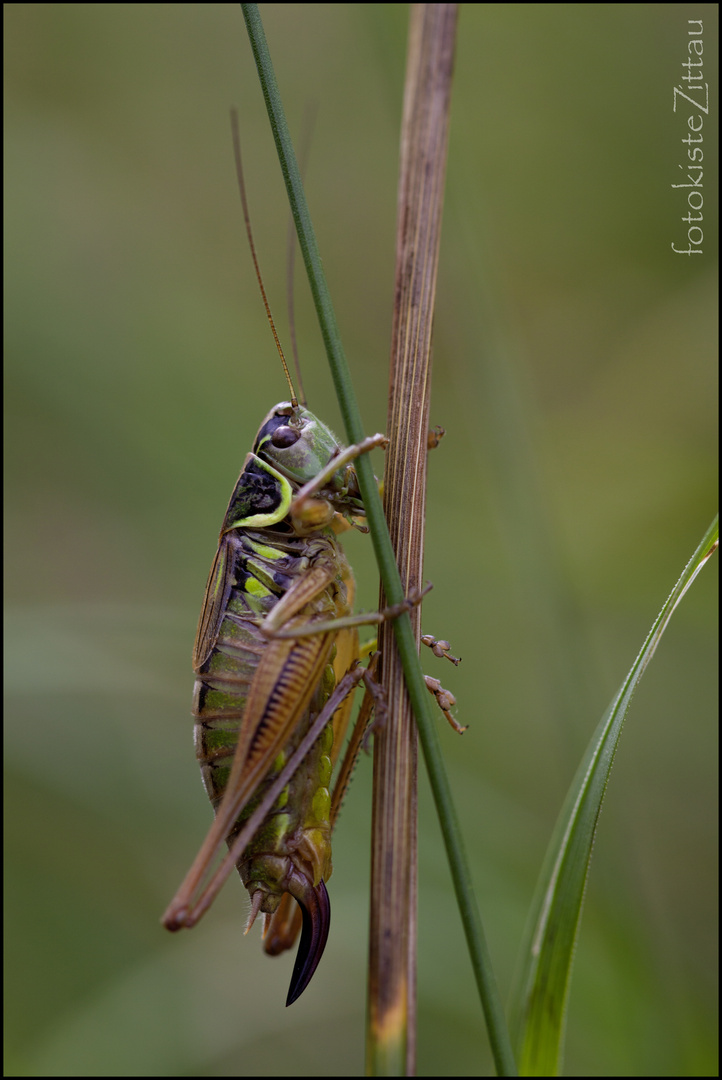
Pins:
x,y
296,830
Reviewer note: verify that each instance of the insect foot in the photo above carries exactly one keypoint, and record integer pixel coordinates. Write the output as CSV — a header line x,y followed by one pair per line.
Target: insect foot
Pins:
x,y
434,437
440,648
445,700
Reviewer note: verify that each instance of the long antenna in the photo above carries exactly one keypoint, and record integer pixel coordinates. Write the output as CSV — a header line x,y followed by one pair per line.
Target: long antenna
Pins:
x,y
249,233
308,125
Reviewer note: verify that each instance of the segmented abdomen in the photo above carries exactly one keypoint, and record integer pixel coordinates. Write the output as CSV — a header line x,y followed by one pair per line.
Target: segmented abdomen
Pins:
x,y
262,569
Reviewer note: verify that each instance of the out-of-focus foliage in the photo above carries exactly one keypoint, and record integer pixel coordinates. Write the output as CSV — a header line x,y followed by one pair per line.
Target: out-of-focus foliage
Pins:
x,y
574,373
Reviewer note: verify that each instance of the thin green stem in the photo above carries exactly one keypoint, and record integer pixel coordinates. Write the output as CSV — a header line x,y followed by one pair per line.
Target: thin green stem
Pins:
x,y
420,699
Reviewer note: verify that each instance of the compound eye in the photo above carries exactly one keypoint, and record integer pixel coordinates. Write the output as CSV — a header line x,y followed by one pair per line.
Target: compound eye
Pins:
x,y
283,437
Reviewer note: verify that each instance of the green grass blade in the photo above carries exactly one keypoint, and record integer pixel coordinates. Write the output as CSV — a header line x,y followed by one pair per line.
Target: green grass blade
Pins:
x,y
540,995
388,571
338,364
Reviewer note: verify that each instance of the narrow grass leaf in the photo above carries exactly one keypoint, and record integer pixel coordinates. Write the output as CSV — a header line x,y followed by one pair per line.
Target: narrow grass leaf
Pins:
x,y
541,992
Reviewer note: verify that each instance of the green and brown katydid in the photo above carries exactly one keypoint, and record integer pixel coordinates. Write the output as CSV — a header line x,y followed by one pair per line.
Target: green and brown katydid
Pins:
x,y
276,662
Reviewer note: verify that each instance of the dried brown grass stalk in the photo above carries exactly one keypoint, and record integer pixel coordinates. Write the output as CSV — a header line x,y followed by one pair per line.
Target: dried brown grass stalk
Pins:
x,y
392,947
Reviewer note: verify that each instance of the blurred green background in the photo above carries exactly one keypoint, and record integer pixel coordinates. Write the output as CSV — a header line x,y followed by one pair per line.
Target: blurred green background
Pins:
x,y
574,372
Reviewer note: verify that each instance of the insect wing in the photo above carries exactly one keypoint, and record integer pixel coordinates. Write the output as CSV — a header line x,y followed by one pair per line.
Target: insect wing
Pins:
x,y
215,600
